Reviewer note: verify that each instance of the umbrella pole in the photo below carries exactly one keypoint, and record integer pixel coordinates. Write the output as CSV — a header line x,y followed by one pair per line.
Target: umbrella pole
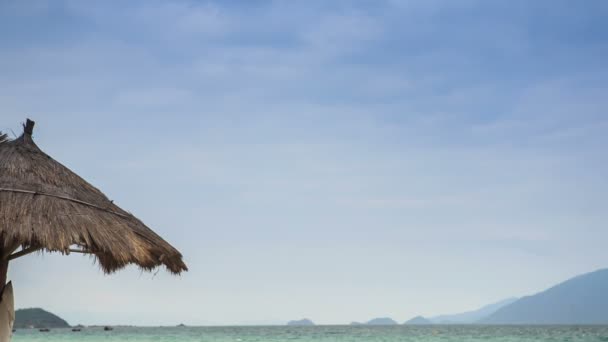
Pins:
x,y
3,272
7,310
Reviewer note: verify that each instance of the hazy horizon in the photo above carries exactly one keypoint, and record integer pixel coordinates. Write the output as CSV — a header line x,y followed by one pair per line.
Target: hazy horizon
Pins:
x,y
269,322
338,161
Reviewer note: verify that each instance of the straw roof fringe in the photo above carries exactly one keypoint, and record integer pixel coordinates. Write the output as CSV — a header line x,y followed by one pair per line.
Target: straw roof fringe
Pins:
x,y
45,206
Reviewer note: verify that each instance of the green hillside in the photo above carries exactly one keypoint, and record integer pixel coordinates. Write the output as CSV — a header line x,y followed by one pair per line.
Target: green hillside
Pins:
x,y
37,318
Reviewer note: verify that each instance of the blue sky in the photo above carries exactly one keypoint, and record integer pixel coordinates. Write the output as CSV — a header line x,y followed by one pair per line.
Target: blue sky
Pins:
x,y
333,160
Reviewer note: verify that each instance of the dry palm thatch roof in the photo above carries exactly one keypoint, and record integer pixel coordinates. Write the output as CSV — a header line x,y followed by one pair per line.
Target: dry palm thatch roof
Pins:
x,y
45,206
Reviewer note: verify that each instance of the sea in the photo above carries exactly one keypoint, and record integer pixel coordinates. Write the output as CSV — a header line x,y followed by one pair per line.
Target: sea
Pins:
x,y
322,334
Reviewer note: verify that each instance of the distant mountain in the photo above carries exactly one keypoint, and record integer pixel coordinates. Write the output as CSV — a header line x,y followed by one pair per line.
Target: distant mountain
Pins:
x,y
472,316
37,318
356,323
301,322
418,320
580,300
382,321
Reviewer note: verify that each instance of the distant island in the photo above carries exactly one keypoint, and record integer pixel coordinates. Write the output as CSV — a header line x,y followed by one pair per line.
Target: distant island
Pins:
x,y
377,321
37,318
301,322
418,320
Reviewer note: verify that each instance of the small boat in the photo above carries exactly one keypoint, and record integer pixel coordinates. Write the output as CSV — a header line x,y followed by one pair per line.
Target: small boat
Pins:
x,y
108,328
44,330
76,329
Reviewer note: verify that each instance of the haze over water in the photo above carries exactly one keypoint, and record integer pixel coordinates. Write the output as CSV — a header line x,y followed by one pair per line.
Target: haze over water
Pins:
x,y
326,334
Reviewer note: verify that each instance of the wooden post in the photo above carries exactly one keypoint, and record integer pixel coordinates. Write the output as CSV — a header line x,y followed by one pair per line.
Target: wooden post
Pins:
x,y
3,272
7,313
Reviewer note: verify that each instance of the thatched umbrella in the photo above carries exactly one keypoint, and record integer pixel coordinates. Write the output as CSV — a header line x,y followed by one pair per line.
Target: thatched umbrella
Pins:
x,y
46,207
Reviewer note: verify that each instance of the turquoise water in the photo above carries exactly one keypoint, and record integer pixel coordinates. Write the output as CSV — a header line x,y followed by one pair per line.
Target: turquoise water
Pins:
x,y
323,334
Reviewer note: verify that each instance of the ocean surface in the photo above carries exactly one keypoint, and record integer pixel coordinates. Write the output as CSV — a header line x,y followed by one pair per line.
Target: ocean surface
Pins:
x,y
323,333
